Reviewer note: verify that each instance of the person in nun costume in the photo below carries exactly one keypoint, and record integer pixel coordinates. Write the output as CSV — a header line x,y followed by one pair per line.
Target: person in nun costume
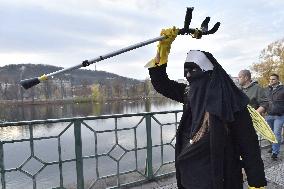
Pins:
x,y
216,137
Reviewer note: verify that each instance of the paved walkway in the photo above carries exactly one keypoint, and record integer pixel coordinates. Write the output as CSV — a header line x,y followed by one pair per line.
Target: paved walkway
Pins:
x,y
274,173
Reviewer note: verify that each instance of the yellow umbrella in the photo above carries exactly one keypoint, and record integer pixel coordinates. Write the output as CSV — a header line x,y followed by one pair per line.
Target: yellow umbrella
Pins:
x,y
261,126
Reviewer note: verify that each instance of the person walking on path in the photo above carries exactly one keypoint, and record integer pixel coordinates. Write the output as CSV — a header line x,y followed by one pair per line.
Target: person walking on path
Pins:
x,y
275,111
255,93
215,128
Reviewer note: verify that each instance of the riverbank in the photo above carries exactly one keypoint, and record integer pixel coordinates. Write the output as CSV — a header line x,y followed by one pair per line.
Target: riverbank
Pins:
x,y
73,100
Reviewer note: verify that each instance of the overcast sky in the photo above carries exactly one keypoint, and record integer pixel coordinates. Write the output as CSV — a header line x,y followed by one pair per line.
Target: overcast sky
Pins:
x,y
66,32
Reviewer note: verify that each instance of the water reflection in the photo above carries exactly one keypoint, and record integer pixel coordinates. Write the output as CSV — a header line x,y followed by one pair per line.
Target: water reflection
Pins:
x,y
53,111
12,133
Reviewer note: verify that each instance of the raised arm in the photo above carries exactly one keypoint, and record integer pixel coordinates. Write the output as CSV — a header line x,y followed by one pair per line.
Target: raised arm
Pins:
x,y
163,85
157,69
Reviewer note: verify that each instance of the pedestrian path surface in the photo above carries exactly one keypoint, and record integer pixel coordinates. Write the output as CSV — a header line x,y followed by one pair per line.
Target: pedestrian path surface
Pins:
x,y
274,171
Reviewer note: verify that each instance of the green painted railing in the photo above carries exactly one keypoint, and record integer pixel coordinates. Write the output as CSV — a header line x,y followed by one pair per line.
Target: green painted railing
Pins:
x,y
159,134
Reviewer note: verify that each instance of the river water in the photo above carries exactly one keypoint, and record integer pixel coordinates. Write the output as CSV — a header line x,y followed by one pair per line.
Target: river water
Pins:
x,y
16,153
53,111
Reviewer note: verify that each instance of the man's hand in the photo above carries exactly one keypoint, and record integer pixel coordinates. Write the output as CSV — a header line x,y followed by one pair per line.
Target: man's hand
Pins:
x,y
261,110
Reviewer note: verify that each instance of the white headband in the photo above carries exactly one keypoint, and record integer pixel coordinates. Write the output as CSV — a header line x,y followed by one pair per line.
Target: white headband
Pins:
x,y
200,59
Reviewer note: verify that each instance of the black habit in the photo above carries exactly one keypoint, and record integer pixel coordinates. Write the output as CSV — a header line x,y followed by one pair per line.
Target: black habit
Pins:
x,y
212,161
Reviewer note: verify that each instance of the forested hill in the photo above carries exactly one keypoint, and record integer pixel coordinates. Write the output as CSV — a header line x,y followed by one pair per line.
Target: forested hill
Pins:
x,y
15,72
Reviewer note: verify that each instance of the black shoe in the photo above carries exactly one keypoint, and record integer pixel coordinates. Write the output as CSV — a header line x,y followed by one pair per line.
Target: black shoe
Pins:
x,y
269,151
274,157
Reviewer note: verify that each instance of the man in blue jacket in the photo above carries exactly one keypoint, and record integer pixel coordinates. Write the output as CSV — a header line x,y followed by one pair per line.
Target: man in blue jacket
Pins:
x,y
275,112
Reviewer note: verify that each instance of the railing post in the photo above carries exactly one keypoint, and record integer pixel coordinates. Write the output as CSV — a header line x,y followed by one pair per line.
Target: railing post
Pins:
x,y
78,152
149,160
2,167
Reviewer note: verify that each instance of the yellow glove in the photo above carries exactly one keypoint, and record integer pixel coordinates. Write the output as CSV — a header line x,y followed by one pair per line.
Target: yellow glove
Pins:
x,y
256,188
164,47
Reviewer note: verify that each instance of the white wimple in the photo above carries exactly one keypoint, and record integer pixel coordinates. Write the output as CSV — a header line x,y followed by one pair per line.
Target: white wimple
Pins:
x,y
200,59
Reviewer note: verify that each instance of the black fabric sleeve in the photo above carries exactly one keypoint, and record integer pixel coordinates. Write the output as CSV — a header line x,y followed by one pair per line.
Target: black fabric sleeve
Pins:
x,y
163,85
244,135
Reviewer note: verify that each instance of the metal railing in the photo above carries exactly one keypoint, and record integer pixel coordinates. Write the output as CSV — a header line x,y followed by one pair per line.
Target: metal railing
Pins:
x,y
122,141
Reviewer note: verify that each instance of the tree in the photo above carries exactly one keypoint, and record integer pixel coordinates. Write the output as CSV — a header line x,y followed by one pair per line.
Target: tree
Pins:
x,y
117,87
4,90
271,60
85,90
96,94
47,89
147,87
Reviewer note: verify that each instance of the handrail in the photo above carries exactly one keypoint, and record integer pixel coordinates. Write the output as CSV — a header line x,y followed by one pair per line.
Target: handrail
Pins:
x,y
19,123
119,151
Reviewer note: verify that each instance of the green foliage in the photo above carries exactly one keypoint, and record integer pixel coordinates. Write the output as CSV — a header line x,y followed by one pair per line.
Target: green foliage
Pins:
x,y
96,93
271,60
